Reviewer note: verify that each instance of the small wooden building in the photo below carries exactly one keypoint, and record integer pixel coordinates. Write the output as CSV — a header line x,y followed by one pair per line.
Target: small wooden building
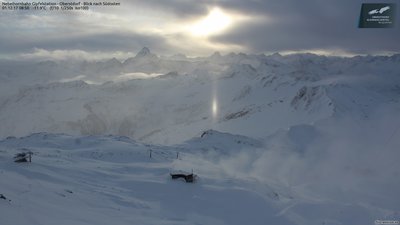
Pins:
x,y
189,178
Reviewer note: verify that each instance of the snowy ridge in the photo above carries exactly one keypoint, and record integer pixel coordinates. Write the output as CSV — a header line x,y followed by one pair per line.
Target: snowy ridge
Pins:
x,y
222,143
107,179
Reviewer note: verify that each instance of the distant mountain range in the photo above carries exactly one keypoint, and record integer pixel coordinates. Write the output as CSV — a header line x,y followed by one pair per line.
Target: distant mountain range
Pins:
x,y
170,99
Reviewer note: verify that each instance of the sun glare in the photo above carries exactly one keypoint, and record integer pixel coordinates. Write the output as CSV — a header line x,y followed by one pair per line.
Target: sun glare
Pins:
x,y
214,23
214,108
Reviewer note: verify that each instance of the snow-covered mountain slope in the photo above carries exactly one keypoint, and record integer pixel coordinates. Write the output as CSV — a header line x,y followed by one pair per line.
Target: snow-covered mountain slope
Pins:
x,y
298,139
112,180
251,95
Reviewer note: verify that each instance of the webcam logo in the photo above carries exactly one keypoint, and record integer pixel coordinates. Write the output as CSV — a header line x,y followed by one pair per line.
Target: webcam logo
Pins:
x,y
380,11
377,15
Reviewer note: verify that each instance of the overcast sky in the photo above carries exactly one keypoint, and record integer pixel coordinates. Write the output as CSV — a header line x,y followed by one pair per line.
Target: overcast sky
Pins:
x,y
198,27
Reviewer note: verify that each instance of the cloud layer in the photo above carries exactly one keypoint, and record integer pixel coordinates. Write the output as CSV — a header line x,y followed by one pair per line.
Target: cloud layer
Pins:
x,y
270,26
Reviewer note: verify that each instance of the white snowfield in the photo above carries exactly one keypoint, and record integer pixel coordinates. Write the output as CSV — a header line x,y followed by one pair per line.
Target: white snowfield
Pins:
x,y
298,139
112,180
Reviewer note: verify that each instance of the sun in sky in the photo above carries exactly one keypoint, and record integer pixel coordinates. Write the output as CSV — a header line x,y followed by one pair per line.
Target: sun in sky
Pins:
x,y
216,22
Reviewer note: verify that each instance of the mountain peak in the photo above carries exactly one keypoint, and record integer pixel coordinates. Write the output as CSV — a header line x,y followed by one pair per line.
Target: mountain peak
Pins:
x,y
144,52
216,55
113,61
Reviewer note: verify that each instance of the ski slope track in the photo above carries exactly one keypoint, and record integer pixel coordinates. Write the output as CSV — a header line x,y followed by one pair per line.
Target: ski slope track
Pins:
x,y
298,139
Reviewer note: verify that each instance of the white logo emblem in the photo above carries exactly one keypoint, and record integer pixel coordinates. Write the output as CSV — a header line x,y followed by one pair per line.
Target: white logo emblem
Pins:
x,y
380,11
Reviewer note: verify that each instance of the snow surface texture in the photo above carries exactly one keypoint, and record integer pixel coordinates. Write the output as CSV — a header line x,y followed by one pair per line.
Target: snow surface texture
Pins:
x,y
298,139
112,180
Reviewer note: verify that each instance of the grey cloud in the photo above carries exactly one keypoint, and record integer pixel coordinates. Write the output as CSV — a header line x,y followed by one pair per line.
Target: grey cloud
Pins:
x,y
93,42
294,25
27,30
180,8
307,25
